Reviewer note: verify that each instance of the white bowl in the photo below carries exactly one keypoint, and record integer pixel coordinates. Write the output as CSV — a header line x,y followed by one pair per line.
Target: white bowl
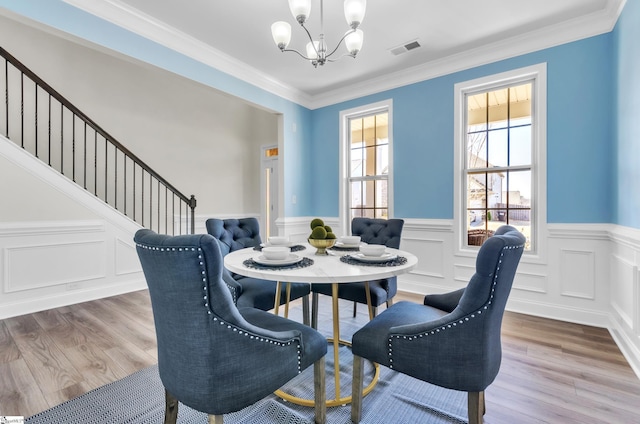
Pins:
x,y
372,249
278,241
276,252
351,240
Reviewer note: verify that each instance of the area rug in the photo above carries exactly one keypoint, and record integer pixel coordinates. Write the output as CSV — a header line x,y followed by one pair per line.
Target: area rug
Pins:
x,y
396,399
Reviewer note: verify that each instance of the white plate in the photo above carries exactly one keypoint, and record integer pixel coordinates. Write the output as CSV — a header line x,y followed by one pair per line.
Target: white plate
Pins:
x,y
383,258
288,244
292,259
341,244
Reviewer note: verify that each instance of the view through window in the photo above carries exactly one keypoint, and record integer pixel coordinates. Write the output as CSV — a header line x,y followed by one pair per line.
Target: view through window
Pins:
x,y
369,166
498,164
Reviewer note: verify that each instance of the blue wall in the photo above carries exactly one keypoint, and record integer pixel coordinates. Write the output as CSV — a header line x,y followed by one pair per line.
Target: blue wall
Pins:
x,y
592,139
627,116
579,137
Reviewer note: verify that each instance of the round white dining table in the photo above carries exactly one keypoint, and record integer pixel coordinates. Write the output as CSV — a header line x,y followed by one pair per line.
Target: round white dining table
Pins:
x,y
326,269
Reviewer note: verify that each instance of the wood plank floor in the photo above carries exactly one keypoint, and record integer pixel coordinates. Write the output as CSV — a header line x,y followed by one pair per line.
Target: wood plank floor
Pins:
x,y
552,371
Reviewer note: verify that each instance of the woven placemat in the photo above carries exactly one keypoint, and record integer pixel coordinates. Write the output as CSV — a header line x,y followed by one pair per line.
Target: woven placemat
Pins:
x,y
345,249
294,248
398,260
305,262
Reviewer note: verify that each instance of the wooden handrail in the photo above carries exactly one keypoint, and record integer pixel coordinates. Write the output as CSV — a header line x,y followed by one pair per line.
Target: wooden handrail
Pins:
x,y
39,82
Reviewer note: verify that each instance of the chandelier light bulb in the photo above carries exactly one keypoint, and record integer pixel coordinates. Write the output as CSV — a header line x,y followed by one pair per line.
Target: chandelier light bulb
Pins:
x,y
353,42
281,32
312,50
354,12
300,9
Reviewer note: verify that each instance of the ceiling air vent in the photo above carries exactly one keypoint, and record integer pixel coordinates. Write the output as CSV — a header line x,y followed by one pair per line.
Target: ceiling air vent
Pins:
x,y
405,47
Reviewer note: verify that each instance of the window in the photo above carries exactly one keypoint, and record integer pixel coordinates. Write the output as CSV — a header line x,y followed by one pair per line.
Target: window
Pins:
x,y
366,162
500,155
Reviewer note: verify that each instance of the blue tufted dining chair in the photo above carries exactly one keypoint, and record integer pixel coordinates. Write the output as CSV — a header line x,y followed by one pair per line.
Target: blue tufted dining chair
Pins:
x,y
235,234
453,340
372,231
207,347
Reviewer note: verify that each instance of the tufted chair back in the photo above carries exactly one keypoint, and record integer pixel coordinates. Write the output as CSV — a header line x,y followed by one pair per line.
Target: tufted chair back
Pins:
x,y
378,231
206,345
235,234
453,340
373,231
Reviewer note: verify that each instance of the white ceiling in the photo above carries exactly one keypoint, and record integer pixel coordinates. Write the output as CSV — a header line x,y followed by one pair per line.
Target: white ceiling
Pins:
x,y
235,36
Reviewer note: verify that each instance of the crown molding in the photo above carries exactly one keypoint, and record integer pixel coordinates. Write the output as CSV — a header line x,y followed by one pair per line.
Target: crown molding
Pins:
x,y
139,23
551,36
133,20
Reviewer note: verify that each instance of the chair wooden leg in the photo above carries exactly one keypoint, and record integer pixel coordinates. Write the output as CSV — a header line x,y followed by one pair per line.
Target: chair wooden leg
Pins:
x,y
320,392
356,389
215,419
476,407
314,310
389,302
171,408
305,310
484,405
355,309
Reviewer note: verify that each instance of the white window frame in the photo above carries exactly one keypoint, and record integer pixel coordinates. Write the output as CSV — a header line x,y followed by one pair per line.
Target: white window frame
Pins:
x,y
345,187
537,74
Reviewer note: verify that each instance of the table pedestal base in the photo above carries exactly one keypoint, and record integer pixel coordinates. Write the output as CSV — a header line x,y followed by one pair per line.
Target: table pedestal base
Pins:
x,y
338,400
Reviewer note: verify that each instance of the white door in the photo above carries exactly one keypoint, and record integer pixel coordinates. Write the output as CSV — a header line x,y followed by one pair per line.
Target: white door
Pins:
x,y
269,191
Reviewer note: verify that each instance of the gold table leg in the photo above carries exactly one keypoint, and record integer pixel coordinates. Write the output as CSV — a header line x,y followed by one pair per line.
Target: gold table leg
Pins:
x,y
276,305
338,400
336,337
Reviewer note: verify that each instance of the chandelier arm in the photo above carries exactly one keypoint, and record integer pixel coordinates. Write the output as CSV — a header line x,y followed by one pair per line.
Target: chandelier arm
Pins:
x,y
310,39
344,55
297,52
339,43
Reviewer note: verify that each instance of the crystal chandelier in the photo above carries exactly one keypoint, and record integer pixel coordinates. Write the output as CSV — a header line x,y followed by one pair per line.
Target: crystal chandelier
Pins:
x,y
317,49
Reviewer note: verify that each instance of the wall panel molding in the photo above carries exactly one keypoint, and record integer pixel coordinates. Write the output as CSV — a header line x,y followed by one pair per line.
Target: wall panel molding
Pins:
x,y
20,229
577,273
35,266
126,258
46,264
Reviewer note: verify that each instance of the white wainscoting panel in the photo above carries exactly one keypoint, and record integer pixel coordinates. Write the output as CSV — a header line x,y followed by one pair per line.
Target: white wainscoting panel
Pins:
x,y
530,282
464,271
636,304
430,255
624,274
126,258
36,266
57,263
577,273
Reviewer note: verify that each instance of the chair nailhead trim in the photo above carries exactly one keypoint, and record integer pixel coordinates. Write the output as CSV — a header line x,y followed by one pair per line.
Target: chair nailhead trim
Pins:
x,y
452,324
215,318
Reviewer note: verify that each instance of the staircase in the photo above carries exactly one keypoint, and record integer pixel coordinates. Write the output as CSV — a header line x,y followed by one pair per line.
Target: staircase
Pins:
x,y
37,118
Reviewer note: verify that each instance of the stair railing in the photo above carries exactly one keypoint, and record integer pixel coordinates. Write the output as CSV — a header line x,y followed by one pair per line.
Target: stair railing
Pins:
x,y
43,122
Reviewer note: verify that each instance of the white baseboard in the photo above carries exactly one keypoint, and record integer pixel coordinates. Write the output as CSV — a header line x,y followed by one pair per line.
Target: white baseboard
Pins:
x,y
66,298
629,349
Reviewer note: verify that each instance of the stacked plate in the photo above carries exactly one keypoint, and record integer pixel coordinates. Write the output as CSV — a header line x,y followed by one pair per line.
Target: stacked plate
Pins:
x,y
291,259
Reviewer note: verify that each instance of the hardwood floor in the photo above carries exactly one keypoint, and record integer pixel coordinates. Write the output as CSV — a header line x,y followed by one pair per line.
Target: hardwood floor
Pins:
x,y
552,371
